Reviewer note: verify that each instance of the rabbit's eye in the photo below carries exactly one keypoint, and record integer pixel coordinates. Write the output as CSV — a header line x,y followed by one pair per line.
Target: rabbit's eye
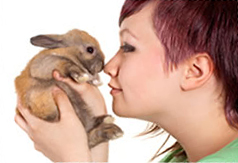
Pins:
x,y
90,50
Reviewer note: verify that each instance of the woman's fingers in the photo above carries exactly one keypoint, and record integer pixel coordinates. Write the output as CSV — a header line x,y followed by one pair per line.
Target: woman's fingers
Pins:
x,y
90,94
21,122
25,113
79,87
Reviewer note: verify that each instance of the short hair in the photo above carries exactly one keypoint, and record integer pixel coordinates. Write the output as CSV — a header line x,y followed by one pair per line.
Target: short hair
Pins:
x,y
188,27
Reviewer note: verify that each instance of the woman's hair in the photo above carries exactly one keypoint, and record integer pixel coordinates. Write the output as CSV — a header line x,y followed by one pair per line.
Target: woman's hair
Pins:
x,y
187,27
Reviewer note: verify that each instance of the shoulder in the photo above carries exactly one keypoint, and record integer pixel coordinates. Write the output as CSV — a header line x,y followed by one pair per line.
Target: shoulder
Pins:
x,y
225,155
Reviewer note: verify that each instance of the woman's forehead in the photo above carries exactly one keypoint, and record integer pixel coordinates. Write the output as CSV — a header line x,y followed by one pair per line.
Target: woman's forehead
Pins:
x,y
138,24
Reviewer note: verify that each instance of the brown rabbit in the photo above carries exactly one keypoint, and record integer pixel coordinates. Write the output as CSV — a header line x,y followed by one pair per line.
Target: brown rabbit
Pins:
x,y
76,55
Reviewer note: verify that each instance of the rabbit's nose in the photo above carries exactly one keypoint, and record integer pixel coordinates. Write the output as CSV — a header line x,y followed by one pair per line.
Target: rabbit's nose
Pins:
x,y
99,66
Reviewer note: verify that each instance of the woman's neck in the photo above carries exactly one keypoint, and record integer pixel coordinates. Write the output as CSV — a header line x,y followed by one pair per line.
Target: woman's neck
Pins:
x,y
201,129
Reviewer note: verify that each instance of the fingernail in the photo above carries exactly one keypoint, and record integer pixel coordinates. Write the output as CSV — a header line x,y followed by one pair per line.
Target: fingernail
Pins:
x,y
56,89
57,75
19,105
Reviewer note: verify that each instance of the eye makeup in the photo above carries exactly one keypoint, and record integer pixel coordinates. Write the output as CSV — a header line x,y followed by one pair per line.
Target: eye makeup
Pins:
x,y
127,48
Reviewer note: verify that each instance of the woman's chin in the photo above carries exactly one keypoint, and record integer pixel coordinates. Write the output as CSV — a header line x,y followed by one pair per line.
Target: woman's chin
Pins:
x,y
123,113
120,112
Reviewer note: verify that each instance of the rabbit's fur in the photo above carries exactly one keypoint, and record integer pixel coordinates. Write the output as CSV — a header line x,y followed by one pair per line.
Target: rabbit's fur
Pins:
x,y
77,55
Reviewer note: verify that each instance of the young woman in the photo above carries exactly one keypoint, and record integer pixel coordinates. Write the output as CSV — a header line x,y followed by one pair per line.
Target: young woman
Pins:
x,y
177,67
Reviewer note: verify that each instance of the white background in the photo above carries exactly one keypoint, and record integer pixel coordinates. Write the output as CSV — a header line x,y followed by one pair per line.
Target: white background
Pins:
x,y
22,19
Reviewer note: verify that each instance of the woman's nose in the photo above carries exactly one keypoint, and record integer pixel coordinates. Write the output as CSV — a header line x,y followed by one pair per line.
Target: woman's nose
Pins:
x,y
112,67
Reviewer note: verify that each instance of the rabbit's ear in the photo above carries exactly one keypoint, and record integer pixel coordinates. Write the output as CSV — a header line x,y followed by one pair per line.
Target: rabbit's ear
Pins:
x,y
48,41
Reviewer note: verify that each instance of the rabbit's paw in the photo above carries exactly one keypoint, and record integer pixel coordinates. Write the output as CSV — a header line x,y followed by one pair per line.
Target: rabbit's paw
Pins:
x,y
79,78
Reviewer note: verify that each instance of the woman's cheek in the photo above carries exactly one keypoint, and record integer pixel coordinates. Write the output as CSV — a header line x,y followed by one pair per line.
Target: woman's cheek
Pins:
x,y
134,80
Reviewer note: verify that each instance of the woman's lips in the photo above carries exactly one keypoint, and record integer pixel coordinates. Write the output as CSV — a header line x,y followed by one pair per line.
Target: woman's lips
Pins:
x,y
114,90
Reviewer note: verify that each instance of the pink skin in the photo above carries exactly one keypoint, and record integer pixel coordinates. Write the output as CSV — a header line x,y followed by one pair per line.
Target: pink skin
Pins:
x,y
66,140
139,76
187,102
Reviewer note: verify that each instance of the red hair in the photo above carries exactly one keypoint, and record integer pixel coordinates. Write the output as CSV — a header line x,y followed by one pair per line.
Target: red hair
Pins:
x,y
188,27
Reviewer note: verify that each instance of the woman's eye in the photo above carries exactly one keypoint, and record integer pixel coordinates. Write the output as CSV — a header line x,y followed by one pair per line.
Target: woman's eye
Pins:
x,y
127,48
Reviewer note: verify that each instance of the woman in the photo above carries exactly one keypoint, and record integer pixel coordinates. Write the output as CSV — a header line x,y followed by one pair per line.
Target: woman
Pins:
x,y
177,67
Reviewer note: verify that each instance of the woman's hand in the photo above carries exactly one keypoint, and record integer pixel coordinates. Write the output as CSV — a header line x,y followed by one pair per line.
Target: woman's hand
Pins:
x,y
90,94
65,140
94,99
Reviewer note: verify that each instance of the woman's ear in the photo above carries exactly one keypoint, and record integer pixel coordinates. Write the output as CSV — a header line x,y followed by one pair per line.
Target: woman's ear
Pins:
x,y
197,70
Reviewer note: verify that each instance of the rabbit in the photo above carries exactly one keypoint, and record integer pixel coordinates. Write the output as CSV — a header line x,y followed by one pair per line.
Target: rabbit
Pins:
x,y
76,55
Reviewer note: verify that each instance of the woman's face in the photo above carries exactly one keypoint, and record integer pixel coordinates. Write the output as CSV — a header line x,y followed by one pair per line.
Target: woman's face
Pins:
x,y
140,87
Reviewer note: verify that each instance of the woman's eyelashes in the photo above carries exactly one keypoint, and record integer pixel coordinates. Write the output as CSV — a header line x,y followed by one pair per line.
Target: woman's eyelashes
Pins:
x,y
127,48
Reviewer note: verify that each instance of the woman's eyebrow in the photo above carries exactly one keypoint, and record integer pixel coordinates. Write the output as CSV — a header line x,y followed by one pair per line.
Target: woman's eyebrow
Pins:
x,y
126,30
